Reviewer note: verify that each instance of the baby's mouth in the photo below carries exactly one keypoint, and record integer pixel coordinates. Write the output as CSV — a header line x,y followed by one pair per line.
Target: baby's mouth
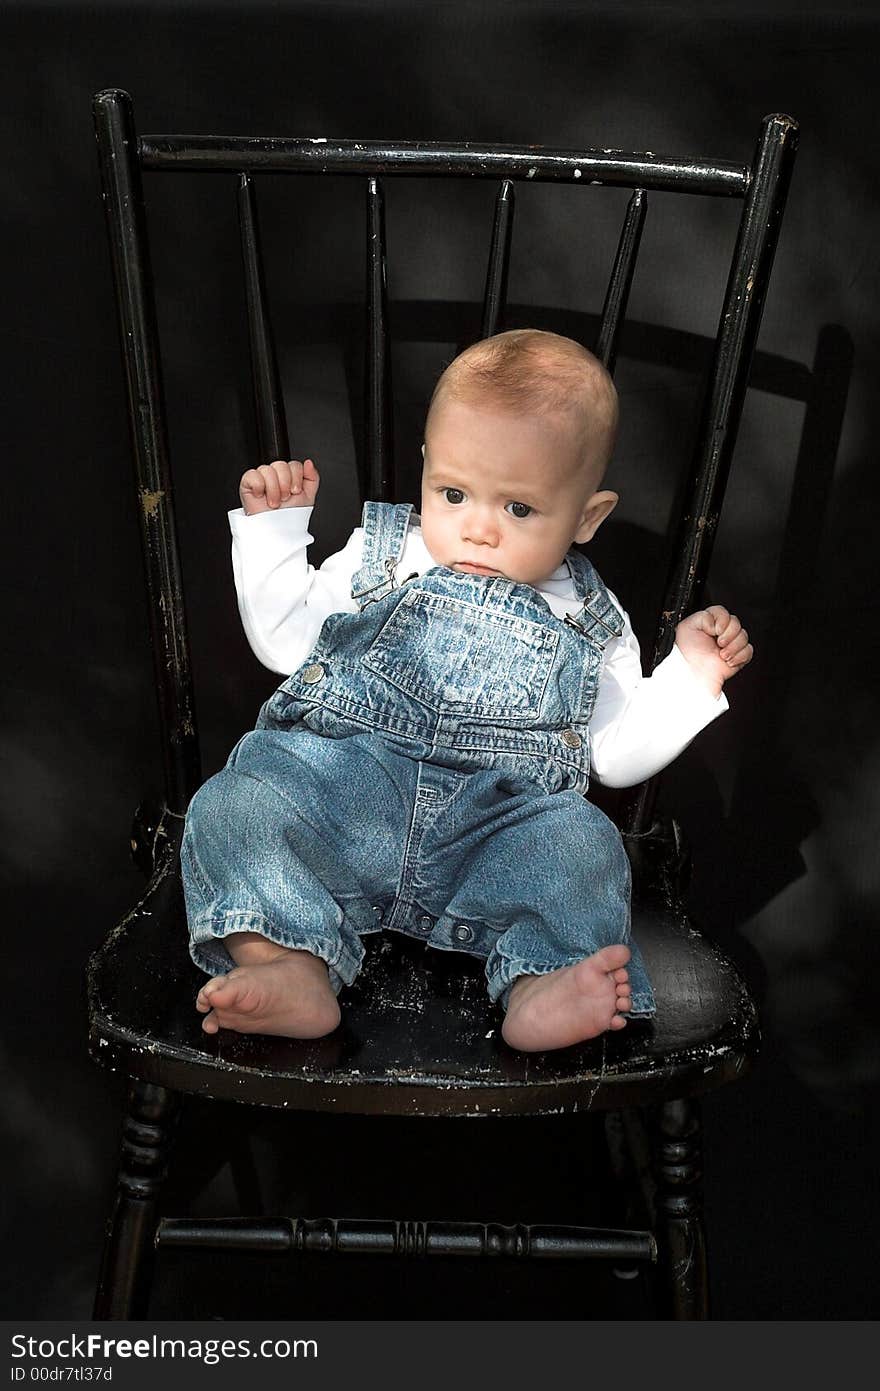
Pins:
x,y
470,568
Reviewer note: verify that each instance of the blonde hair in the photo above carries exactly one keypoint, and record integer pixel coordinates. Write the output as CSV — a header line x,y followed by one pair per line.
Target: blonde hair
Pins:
x,y
528,371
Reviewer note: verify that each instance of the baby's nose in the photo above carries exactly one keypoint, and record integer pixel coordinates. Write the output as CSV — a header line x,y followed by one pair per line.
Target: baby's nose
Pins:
x,y
481,527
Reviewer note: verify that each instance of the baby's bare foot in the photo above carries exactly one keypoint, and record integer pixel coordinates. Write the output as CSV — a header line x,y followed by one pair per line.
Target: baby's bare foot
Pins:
x,y
569,1005
289,995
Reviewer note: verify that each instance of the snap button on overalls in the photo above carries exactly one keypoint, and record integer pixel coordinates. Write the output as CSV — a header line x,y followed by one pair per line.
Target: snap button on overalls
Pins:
x,y
423,771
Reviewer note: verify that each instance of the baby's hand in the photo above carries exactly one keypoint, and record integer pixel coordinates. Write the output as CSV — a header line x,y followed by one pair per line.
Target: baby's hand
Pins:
x,y
284,483
715,644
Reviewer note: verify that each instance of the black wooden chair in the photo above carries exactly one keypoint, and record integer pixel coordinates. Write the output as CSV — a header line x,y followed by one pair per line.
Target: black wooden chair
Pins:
x,y
419,1038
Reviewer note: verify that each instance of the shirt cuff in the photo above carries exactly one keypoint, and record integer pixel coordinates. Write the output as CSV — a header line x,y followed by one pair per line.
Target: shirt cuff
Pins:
x,y
268,539
281,521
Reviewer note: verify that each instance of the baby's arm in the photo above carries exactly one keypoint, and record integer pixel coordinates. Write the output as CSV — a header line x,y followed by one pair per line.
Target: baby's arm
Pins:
x,y
282,599
715,644
641,723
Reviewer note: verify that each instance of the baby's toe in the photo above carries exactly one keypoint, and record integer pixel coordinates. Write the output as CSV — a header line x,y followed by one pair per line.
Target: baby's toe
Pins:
x,y
203,999
210,1024
617,1022
611,959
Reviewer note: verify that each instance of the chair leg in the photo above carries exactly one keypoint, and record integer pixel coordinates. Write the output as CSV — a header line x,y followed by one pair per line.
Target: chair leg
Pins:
x,y
679,1208
127,1265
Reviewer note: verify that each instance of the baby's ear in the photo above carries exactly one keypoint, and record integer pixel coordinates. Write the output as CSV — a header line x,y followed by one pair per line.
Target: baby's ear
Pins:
x,y
597,509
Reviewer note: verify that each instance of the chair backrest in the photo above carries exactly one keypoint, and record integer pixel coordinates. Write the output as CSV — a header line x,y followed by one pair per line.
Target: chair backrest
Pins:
x,y
761,186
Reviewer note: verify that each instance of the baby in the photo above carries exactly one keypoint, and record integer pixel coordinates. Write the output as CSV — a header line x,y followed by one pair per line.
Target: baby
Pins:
x,y
456,677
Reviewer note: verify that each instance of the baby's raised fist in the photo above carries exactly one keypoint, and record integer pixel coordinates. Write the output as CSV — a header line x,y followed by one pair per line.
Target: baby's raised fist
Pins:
x,y
283,483
715,644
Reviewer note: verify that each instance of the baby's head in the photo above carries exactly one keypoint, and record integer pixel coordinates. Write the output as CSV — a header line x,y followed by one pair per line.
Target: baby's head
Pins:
x,y
519,432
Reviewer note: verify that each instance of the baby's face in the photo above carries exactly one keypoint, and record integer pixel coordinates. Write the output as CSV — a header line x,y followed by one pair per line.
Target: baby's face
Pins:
x,y
504,494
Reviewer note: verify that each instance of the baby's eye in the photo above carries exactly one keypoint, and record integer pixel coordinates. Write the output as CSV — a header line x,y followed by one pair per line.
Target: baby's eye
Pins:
x,y
518,509
453,495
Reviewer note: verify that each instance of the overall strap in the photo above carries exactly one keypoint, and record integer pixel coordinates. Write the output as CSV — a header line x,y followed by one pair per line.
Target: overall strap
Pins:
x,y
385,525
599,618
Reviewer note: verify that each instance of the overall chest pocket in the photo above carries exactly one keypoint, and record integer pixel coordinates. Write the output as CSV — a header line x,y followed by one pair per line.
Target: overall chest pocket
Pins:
x,y
451,655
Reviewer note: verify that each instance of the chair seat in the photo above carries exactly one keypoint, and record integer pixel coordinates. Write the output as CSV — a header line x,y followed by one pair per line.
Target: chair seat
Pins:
x,y
419,1035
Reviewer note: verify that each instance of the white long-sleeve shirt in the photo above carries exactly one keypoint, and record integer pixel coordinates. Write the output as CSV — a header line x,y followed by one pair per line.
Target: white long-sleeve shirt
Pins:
x,y
639,723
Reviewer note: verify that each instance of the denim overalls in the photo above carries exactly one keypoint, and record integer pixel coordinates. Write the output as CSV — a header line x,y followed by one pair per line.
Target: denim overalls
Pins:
x,y
422,771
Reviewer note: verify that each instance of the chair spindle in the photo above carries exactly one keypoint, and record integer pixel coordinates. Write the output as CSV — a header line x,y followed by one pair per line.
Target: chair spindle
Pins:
x,y
617,294
379,472
495,296
272,437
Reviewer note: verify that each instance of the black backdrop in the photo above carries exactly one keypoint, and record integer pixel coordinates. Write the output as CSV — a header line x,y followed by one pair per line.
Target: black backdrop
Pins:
x,y
778,799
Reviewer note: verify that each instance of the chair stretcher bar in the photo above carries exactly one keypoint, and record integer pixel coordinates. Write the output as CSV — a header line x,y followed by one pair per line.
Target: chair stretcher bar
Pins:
x,y
330,1236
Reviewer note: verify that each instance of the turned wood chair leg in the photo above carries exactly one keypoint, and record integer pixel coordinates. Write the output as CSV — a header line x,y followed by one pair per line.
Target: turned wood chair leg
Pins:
x,y
127,1265
679,1208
